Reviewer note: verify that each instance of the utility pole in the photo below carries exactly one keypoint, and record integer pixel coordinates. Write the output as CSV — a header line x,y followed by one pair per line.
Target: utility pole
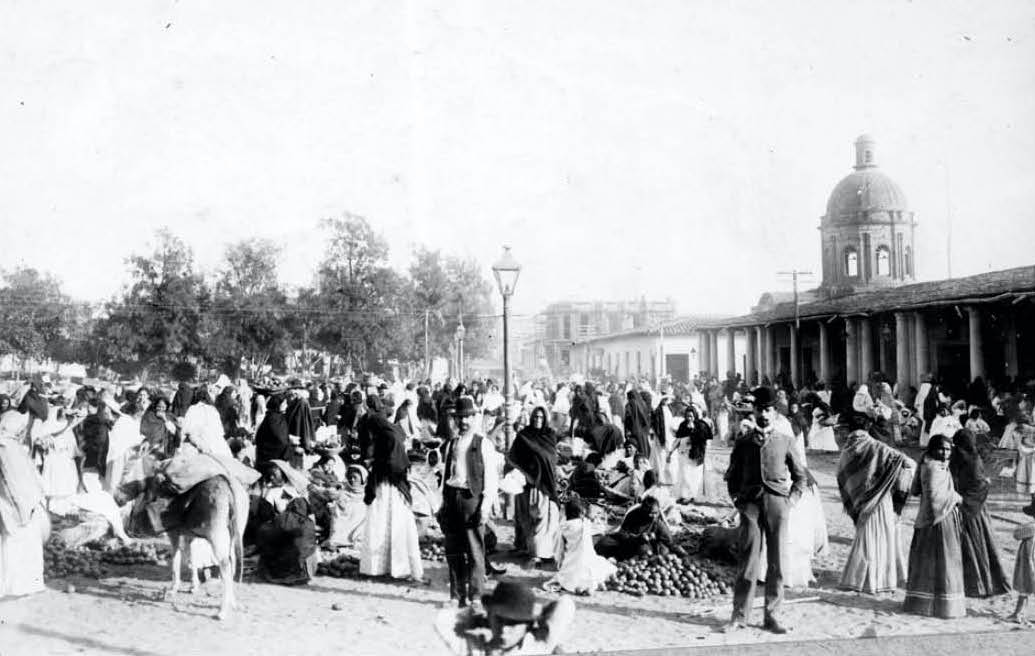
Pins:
x,y
427,346
795,341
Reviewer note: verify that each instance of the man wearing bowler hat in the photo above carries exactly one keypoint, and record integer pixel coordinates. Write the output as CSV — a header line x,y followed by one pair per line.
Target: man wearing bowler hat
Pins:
x,y
470,484
766,477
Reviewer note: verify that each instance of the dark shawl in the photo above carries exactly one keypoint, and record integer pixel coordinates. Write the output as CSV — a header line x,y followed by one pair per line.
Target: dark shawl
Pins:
x,y
637,423
300,422
657,423
286,542
34,404
534,452
583,411
639,523
94,444
183,399
272,441
585,483
228,412
390,462
699,433
332,410
868,469
968,471
157,434
606,438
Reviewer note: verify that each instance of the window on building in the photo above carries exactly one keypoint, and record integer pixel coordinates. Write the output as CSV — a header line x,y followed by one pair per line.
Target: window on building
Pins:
x,y
883,261
566,357
567,327
909,261
851,262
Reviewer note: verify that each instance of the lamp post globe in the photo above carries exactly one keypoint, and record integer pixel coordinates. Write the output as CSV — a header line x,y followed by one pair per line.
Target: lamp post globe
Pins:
x,y
506,270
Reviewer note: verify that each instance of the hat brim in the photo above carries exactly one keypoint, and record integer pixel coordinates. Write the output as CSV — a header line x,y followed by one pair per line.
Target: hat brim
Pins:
x,y
506,613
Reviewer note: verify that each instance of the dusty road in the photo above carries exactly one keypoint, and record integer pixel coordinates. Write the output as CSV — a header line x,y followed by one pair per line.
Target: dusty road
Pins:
x,y
125,614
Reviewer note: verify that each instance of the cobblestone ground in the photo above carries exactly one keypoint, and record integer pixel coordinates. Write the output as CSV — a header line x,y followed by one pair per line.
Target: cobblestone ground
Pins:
x,y
126,615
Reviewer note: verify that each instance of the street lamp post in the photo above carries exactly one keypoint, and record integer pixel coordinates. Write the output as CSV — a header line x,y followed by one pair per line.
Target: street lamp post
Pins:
x,y
460,332
506,270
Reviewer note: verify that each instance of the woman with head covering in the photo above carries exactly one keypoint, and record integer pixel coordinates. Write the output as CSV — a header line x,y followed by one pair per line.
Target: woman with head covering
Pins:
x,y
287,546
869,477
663,442
300,422
935,585
203,427
691,443
983,574
821,435
536,515
272,439
158,428
390,545
637,423
182,400
349,513
23,523
229,413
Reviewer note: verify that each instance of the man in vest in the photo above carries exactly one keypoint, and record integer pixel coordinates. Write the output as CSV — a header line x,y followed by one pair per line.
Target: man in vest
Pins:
x,y
766,477
470,485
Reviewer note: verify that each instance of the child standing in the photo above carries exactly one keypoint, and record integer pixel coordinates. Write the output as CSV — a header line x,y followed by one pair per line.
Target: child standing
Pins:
x,y
1024,568
579,568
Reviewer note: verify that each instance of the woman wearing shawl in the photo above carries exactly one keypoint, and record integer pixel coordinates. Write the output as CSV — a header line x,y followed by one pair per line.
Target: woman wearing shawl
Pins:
x,y
158,429
868,478
349,514
583,411
272,440
390,544
935,585
287,546
536,514
691,444
183,399
637,423
226,404
663,442
23,523
202,426
983,574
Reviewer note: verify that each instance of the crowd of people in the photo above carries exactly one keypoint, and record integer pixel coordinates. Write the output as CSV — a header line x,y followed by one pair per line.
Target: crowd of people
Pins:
x,y
370,465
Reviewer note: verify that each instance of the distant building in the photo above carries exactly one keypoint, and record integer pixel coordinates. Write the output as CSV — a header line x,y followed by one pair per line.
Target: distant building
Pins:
x,y
562,325
869,314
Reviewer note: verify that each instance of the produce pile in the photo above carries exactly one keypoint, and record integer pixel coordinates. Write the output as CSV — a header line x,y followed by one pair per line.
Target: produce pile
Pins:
x,y
669,576
341,567
136,554
433,550
61,562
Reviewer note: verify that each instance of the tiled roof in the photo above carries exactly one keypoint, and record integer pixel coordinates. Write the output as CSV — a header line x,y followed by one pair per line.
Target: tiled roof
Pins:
x,y
685,325
981,288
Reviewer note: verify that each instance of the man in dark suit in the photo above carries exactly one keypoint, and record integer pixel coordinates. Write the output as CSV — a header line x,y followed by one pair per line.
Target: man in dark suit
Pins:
x,y
766,478
470,485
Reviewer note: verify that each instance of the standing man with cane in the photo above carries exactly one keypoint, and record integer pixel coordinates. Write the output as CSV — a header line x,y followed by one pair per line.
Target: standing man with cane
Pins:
x,y
765,479
470,485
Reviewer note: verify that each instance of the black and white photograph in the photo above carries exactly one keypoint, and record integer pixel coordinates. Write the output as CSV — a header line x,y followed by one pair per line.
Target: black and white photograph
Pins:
x,y
497,328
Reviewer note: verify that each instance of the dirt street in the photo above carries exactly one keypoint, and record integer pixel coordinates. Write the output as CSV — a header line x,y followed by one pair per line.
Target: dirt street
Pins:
x,y
126,614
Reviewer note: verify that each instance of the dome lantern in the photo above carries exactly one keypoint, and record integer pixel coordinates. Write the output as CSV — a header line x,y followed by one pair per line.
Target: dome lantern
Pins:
x,y
865,152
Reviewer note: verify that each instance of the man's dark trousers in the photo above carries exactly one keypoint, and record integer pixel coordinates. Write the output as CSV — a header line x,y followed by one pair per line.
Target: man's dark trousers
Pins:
x,y
766,516
464,543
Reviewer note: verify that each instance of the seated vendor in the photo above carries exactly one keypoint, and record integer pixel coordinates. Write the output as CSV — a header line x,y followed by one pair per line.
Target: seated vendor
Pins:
x,y
287,546
585,480
643,533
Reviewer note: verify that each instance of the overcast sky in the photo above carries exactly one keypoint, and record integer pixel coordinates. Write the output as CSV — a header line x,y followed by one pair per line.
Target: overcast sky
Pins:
x,y
669,148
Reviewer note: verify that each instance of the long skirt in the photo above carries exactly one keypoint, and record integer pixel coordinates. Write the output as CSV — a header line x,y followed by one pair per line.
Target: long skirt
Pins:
x,y
876,562
1024,568
821,438
983,574
536,521
390,543
935,586
688,482
21,561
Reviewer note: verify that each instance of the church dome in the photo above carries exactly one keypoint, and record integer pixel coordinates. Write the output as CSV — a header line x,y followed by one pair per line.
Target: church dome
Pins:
x,y
865,190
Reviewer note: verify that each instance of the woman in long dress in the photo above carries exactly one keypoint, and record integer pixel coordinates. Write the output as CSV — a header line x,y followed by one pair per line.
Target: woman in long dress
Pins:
x,y
983,574
821,436
869,476
663,442
390,544
692,442
935,586
536,514
23,522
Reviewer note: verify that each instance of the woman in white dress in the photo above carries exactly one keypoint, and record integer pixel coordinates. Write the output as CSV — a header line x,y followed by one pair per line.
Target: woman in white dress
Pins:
x,y
579,569
203,427
390,544
23,522
692,441
821,435
663,442
60,476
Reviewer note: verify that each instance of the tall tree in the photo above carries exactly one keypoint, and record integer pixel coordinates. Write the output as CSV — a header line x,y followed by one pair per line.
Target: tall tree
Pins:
x,y
158,320
248,310
34,314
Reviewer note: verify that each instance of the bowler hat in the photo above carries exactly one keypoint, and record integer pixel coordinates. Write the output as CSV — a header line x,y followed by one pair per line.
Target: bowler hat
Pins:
x,y
763,396
511,601
464,407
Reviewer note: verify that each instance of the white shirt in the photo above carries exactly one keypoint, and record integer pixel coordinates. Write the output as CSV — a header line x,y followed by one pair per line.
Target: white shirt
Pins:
x,y
490,465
